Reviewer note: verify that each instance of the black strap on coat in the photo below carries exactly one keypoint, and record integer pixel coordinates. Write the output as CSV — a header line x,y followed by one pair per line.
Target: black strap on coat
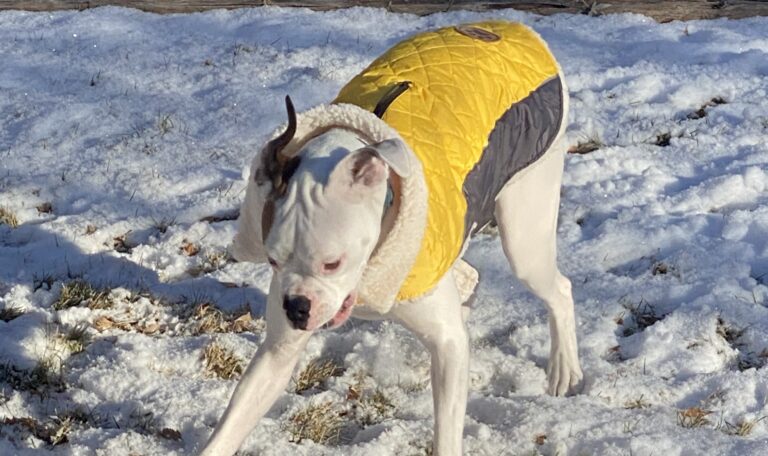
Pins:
x,y
391,94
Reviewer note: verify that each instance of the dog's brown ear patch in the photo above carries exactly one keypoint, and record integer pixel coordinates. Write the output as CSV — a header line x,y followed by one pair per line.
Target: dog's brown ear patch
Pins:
x,y
356,175
286,172
367,168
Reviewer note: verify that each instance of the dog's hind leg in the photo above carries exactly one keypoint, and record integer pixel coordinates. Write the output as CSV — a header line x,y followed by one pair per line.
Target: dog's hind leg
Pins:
x,y
263,381
436,320
526,212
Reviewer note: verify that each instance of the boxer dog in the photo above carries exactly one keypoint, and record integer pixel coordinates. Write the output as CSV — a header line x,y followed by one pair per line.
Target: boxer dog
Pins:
x,y
339,203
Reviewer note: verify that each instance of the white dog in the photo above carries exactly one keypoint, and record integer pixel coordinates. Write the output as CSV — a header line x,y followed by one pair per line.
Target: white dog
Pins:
x,y
346,207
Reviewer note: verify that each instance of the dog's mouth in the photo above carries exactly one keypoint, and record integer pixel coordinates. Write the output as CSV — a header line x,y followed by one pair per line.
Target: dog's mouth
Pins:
x,y
344,312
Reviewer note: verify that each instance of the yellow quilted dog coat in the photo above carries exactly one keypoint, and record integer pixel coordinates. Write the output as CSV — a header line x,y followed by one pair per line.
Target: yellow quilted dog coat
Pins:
x,y
480,102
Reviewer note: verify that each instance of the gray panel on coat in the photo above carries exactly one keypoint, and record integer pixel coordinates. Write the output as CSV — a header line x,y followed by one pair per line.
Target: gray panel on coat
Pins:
x,y
519,138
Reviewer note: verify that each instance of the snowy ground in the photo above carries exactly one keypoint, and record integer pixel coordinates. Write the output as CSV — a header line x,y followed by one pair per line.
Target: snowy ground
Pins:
x,y
134,127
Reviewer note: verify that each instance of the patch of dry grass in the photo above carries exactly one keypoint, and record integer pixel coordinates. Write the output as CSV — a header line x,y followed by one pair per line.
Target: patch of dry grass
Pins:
x,y
216,259
46,376
142,421
320,422
368,407
164,124
743,428
163,224
694,417
373,408
323,422
79,292
702,111
198,316
44,282
209,320
211,261
8,218
423,448
221,362
48,372
145,422
316,373
639,403
53,433
76,338
59,430
10,312
644,314
734,336
413,386
731,334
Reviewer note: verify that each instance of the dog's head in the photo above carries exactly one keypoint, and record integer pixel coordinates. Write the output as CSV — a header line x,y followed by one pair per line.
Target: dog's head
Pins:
x,y
322,218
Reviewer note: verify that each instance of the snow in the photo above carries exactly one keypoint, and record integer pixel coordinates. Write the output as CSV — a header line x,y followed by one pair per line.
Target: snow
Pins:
x,y
139,125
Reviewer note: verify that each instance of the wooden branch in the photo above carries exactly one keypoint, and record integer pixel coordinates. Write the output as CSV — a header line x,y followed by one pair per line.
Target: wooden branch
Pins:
x,y
662,11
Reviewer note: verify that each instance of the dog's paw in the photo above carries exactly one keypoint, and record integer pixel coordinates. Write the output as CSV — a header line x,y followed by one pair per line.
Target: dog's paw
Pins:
x,y
564,373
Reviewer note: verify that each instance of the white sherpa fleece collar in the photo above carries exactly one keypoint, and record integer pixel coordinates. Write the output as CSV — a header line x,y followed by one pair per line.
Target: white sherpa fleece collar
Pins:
x,y
392,261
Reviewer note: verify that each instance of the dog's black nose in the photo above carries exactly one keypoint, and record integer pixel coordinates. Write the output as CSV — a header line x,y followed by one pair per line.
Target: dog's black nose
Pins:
x,y
297,310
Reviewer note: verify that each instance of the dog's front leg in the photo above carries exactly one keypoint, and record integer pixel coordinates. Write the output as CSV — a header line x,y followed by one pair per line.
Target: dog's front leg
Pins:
x,y
263,381
437,321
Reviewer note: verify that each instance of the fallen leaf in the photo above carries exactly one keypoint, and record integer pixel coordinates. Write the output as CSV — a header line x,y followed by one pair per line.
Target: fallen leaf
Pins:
x,y
150,328
103,323
189,249
242,323
170,434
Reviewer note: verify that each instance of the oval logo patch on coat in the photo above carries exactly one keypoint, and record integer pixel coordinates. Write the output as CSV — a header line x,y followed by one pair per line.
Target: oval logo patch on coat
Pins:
x,y
477,33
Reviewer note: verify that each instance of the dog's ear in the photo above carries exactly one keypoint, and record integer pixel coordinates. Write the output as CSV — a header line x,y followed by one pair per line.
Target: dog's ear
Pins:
x,y
395,153
366,168
357,173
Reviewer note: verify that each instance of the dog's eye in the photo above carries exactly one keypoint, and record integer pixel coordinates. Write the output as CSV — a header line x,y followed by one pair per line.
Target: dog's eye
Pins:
x,y
272,262
331,266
